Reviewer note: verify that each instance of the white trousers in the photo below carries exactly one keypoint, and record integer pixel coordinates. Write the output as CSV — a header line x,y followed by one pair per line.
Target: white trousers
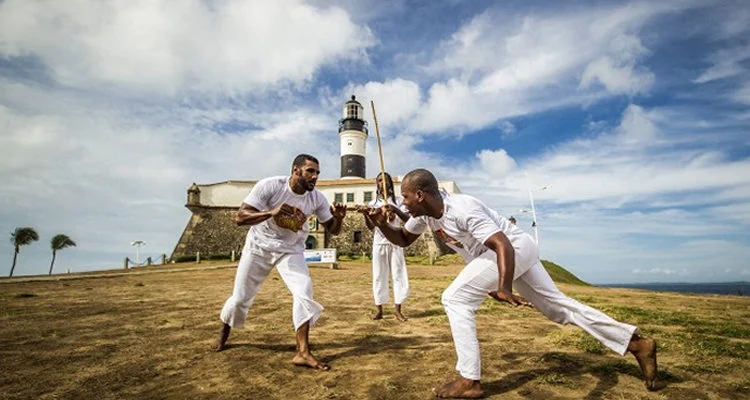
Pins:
x,y
464,295
388,257
254,266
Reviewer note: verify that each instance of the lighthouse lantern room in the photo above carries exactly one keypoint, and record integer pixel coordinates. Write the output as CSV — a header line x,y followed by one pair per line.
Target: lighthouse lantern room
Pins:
x,y
353,137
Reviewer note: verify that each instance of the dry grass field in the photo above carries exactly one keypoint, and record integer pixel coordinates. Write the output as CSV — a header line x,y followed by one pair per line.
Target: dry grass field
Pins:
x,y
147,336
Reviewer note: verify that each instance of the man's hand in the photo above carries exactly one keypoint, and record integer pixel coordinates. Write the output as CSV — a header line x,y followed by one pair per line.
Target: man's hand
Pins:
x,y
378,216
338,210
283,208
390,212
503,295
362,209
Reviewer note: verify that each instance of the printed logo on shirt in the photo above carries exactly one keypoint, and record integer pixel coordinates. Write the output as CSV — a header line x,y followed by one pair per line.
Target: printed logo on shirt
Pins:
x,y
290,217
448,239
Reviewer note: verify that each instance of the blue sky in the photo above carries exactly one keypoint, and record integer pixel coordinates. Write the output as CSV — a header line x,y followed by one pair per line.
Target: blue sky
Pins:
x,y
636,114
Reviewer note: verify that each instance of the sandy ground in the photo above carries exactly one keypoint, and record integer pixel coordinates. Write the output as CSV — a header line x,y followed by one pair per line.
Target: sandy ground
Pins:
x,y
147,335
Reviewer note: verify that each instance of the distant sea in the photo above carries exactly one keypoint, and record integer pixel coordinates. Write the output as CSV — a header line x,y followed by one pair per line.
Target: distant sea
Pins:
x,y
734,288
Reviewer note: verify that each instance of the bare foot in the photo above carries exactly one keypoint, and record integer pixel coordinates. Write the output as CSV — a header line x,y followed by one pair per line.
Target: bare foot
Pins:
x,y
377,316
461,388
218,346
400,316
644,351
221,341
307,360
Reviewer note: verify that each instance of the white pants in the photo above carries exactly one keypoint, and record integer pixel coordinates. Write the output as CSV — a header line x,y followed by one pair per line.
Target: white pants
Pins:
x,y
462,298
254,266
388,257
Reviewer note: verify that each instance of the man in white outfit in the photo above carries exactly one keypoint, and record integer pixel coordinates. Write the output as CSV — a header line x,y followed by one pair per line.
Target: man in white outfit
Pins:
x,y
385,255
276,210
499,256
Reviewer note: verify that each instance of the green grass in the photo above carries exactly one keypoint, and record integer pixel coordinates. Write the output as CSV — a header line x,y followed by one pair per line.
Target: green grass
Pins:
x,y
554,378
577,339
702,345
445,259
638,316
561,275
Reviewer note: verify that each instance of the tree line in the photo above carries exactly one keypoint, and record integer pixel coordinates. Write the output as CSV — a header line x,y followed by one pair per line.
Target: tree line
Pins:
x,y
26,235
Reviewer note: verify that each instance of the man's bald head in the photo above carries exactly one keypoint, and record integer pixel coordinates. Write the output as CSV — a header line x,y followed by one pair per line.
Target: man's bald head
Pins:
x,y
421,179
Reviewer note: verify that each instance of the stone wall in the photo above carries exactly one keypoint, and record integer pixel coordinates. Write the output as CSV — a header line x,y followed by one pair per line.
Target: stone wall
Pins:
x,y
211,231
355,222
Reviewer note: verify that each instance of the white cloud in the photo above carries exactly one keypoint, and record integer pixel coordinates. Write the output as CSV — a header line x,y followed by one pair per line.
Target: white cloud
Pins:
x,y
660,271
496,163
617,78
742,94
499,68
507,128
725,64
166,47
735,19
396,101
636,127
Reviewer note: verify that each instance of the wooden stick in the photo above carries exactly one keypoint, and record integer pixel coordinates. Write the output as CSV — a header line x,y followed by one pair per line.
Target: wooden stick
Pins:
x,y
380,152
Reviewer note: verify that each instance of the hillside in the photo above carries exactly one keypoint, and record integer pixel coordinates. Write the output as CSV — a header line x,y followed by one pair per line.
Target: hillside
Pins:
x,y
562,275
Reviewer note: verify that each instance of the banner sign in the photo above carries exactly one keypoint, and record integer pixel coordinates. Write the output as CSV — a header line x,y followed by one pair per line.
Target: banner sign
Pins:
x,y
320,256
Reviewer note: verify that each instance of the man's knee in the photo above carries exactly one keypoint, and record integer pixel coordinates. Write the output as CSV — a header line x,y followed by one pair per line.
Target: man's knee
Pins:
x,y
559,316
449,299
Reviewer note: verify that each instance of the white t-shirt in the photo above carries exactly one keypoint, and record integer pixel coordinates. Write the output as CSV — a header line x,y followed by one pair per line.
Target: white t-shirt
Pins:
x,y
271,192
467,223
378,238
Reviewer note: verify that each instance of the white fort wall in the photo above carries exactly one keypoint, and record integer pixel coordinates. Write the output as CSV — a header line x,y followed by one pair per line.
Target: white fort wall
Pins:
x,y
348,191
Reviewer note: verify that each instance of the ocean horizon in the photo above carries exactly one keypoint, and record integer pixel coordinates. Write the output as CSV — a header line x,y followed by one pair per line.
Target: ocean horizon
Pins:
x,y
730,288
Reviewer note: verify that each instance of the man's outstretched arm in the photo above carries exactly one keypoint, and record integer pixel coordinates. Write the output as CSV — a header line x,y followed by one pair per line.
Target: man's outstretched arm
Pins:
x,y
333,225
249,215
506,266
398,236
400,213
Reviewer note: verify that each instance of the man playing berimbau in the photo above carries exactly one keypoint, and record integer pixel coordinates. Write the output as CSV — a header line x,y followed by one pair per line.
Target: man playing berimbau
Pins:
x,y
387,257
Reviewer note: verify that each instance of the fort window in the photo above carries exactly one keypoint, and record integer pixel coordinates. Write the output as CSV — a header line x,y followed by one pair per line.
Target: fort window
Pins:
x,y
350,197
357,237
338,197
368,196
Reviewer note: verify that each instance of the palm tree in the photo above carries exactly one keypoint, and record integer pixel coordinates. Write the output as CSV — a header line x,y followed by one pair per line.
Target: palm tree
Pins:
x,y
59,242
21,237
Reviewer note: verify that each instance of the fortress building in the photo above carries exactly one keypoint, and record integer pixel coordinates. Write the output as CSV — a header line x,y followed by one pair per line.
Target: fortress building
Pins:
x,y
212,232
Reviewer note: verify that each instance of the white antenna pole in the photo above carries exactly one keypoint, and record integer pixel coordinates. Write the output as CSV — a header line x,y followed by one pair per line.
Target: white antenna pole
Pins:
x,y
533,210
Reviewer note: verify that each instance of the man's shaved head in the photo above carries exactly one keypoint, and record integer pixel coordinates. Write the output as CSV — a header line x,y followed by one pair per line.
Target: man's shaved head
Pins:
x,y
421,179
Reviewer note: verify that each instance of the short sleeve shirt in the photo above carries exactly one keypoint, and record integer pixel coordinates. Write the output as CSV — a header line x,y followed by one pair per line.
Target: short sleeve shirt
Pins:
x,y
466,224
378,237
290,237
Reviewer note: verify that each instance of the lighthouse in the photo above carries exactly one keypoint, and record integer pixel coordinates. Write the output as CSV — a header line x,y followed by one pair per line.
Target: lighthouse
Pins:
x,y
353,138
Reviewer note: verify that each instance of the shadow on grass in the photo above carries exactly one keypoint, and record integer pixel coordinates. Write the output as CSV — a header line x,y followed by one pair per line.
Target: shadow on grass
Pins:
x,y
361,346
373,344
571,365
262,346
431,312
